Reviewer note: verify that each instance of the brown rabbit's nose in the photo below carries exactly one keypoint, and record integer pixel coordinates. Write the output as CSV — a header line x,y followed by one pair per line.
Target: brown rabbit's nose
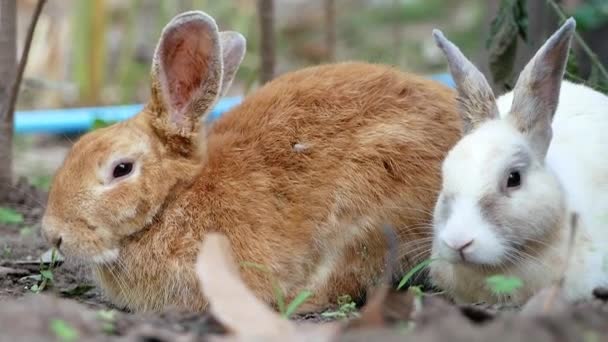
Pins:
x,y
53,239
57,242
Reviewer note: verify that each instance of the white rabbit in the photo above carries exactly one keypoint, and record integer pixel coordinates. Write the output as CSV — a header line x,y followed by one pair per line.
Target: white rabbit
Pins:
x,y
526,163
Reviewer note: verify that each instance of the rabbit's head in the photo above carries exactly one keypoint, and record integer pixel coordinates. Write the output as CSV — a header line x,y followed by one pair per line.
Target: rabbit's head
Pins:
x,y
115,180
498,201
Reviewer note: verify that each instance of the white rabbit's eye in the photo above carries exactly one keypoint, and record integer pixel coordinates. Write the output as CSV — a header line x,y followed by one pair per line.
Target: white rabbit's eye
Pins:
x,y
122,169
514,180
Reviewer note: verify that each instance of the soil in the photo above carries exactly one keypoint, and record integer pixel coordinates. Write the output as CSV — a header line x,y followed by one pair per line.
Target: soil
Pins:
x,y
72,308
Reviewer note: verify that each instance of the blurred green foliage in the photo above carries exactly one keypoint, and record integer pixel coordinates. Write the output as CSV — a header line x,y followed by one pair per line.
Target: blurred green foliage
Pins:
x,y
591,14
511,23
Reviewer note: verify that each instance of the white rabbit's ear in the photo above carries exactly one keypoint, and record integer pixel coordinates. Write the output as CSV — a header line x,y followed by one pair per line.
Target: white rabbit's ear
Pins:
x,y
536,93
234,47
477,102
187,72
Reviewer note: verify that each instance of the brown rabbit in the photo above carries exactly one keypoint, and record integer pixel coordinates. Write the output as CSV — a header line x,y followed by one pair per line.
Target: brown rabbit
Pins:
x,y
300,177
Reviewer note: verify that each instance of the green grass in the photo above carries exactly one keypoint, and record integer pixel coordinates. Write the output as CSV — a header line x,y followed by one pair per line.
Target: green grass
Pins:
x,y
422,265
296,303
286,310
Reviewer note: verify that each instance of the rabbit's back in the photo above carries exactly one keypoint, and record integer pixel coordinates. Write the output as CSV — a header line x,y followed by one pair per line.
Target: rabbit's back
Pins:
x,y
350,132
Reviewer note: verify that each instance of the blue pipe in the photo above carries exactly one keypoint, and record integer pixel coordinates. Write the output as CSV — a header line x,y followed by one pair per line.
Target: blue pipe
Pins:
x,y
77,120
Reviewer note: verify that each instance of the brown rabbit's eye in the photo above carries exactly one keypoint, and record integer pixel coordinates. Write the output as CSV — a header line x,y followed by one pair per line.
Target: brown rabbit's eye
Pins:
x,y
122,170
514,180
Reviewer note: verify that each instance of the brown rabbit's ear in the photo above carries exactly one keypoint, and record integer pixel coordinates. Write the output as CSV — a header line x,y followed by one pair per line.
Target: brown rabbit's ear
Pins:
x,y
477,102
186,74
234,47
536,93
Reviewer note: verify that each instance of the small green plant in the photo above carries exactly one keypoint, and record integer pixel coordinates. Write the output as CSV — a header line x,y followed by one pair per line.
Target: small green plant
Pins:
x,y
422,265
7,251
107,318
63,330
286,310
46,274
346,308
10,216
500,284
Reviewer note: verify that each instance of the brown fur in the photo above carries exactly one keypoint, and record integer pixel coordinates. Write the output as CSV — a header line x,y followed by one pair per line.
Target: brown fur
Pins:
x,y
300,177
279,208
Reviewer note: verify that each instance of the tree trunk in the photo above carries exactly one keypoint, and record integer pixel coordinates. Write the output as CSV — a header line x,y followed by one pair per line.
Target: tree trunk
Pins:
x,y
8,52
267,39
330,29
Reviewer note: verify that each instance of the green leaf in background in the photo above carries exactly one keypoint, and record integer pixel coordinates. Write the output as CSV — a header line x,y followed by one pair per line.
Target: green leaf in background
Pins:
x,y
500,284
510,23
99,123
296,303
63,330
591,15
41,182
10,216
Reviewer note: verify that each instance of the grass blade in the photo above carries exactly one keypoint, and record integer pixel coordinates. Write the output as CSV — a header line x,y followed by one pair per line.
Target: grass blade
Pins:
x,y
413,271
296,303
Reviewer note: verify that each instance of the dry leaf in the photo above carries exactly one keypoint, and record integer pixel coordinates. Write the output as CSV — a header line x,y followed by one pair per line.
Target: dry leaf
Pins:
x,y
238,309
231,302
547,300
386,307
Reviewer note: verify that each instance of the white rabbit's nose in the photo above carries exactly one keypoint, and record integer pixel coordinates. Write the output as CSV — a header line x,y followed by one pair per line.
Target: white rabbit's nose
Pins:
x,y
459,245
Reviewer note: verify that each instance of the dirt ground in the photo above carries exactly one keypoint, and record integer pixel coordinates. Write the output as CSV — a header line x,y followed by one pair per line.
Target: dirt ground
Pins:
x,y
73,309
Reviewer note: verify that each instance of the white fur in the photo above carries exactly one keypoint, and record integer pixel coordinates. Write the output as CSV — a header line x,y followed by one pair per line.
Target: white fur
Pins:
x,y
468,227
106,257
572,178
